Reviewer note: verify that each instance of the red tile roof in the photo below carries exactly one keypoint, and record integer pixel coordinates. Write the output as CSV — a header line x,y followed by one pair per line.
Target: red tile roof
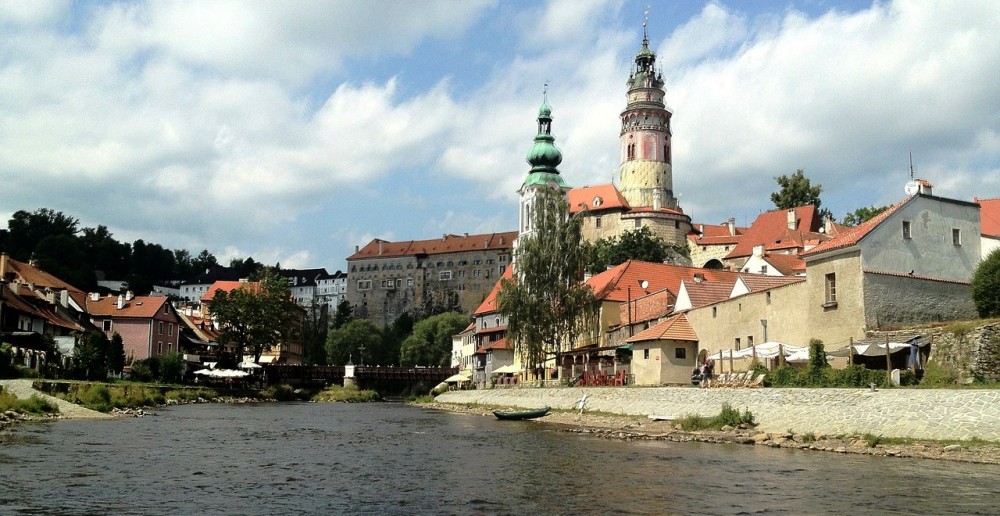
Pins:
x,y
674,328
226,286
379,248
497,344
583,198
615,284
489,305
139,306
708,292
760,282
27,273
853,235
787,264
989,216
771,228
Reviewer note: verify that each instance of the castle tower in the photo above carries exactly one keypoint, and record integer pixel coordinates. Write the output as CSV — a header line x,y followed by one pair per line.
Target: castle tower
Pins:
x,y
544,158
645,136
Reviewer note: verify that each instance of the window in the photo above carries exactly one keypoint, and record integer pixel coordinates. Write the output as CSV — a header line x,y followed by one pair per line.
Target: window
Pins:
x,y
503,258
763,269
444,275
638,223
364,284
749,341
737,344
767,298
170,329
159,348
906,229
831,290
680,353
166,308
715,311
956,236
107,325
597,222
159,329
645,353
409,282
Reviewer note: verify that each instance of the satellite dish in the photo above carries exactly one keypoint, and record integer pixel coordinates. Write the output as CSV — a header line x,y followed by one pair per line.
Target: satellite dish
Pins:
x,y
912,188
644,284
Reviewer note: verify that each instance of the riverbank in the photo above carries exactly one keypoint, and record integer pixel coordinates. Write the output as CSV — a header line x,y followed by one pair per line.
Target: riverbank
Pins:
x,y
934,424
636,428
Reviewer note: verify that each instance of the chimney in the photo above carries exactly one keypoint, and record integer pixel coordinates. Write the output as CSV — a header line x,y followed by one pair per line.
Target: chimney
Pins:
x,y
121,302
64,298
94,296
732,226
466,234
758,250
828,224
3,265
380,248
14,288
128,295
502,241
791,219
356,249
50,296
925,186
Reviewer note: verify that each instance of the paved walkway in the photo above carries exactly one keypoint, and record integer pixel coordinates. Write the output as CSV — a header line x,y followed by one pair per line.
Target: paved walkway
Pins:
x,y
22,389
916,413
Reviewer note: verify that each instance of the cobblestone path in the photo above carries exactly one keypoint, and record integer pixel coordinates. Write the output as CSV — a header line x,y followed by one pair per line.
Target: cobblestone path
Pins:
x,y
916,413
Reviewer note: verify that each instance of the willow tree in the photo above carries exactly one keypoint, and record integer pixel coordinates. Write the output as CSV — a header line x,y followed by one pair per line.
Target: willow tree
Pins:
x,y
546,302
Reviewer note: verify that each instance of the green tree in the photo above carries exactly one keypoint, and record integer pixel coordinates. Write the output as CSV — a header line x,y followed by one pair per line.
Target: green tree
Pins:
x,y
861,215
430,342
343,316
314,334
103,253
393,336
640,244
256,315
353,341
546,303
90,357
25,230
986,285
60,255
795,191
116,354
7,369
171,367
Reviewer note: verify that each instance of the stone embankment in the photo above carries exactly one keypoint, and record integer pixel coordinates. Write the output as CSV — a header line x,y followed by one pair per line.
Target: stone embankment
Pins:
x,y
936,414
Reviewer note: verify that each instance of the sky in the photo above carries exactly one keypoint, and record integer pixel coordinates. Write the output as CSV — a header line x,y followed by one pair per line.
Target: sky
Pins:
x,y
292,132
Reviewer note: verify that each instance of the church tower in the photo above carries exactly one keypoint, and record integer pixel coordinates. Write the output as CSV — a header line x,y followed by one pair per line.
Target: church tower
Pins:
x,y
544,158
645,174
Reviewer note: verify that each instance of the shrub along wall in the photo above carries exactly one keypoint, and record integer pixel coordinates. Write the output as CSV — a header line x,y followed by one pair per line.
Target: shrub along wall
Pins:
x,y
970,350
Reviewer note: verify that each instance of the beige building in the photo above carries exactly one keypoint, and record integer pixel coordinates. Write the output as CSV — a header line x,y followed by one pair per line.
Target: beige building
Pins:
x,y
387,279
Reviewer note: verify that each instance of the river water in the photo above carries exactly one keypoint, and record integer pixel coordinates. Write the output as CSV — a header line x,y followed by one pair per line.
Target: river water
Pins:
x,y
388,458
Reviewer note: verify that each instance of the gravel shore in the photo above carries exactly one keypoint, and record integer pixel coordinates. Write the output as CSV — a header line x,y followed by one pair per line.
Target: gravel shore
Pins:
x,y
626,427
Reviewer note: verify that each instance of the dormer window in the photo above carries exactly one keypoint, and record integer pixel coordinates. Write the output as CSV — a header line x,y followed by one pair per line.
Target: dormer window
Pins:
x,y
598,201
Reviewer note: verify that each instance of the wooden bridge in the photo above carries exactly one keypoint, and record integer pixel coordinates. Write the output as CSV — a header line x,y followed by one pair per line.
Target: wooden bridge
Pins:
x,y
365,376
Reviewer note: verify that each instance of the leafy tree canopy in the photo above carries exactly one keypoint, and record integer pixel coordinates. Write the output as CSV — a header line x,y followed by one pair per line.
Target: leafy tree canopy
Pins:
x,y
546,303
255,316
986,285
25,230
861,215
353,341
795,191
344,314
430,342
640,244
90,357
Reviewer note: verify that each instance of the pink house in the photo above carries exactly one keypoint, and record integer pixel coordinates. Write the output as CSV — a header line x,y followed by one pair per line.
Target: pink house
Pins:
x,y
149,326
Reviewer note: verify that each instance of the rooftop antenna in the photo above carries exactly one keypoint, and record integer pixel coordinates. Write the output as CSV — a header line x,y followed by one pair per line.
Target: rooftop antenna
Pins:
x,y
911,165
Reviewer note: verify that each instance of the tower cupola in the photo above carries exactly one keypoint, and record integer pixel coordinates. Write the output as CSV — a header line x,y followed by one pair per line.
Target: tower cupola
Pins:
x,y
544,156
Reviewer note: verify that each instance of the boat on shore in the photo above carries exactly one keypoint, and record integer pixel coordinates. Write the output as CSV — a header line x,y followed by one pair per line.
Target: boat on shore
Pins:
x,y
519,415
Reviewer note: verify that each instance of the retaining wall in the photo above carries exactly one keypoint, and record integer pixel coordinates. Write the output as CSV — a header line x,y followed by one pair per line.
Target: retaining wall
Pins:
x,y
916,413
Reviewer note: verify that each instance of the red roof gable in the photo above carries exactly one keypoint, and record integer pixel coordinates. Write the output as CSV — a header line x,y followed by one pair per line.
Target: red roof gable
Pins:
x,y
702,293
139,306
674,328
379,248
608,197
772,226
989,216
853,235
489,305
38,278
226,286
622,281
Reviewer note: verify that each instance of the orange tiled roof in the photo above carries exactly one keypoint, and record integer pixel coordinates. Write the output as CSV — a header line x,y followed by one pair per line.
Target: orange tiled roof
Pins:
x,y
139,306
989,216
853,235
772,226
674,328
489,305
708,292
760,282
201,326
226,286
614,284
379,248
787,264
30,274
583,198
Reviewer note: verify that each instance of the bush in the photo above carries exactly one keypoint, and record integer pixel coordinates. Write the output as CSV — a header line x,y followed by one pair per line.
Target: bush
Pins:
x,y
858,376
34,405
278,392
351,394
985,285
171,368
938,374
190,394
728,417
142,371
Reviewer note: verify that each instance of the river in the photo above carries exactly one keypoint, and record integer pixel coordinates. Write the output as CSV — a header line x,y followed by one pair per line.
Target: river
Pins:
x,y
389,458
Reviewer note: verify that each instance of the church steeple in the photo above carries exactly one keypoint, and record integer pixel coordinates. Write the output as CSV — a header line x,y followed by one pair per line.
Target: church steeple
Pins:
x,y
646,153
544,158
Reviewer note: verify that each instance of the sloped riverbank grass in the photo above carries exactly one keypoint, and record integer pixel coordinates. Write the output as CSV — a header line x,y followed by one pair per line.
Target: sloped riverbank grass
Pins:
x,y
105,397
34,405
729,416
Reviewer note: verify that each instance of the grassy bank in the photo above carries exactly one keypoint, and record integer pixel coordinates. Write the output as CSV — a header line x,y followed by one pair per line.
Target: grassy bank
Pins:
x,y
105,397
34,405
349,394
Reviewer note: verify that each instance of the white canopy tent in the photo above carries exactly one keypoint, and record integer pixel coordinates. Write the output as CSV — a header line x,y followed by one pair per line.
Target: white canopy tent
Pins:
x,y
765,350
507,369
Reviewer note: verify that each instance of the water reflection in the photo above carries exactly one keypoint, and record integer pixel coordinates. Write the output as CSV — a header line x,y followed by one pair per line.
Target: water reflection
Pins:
x,y
393,459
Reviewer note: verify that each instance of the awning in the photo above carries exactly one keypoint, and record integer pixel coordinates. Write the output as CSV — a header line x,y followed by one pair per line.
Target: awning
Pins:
x,y
507,369
457,378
